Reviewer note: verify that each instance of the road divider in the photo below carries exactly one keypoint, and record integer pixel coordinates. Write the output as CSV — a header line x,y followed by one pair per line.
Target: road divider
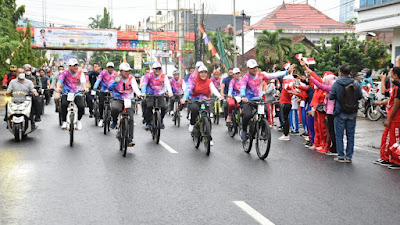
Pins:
x,y
171,150
253,213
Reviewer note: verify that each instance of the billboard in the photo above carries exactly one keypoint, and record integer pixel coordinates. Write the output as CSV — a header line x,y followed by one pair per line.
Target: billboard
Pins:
x,y
75,38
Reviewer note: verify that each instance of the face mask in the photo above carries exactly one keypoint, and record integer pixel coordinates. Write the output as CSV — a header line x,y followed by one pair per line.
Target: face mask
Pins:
x,y
28,73
21,76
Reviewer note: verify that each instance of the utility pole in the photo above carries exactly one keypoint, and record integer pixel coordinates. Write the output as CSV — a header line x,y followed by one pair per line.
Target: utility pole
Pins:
x,y
201,41
234,36
243,15
180,42
195,33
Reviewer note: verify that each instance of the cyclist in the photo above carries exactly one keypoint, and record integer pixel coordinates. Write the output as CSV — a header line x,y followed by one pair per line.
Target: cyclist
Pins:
x,y
123,87
225,88
200,88
105,78
44,82
57,95
89,97
216,79
178,86
251,89
10,76
233,92
72,79
155,83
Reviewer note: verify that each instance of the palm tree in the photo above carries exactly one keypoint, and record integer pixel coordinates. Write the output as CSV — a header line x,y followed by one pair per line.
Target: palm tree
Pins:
x,y
95,21
271,47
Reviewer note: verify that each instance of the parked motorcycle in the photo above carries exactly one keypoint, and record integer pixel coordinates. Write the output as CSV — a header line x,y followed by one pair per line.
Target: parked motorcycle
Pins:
x,y
18,116
367,106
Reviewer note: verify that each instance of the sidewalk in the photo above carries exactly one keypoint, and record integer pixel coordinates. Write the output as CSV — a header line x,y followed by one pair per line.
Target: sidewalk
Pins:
x,y
2,102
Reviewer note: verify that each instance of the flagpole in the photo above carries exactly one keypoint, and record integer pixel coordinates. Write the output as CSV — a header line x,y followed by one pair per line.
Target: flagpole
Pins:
x,y
234,36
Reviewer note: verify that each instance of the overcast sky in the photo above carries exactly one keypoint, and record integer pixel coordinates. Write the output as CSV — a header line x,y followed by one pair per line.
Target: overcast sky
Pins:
x,y
77,12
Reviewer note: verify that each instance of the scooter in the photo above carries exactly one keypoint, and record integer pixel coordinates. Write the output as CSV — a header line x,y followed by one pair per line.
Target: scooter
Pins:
x,y
18,115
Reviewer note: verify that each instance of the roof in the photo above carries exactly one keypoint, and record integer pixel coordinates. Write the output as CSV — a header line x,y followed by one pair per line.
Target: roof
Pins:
x,y
298,17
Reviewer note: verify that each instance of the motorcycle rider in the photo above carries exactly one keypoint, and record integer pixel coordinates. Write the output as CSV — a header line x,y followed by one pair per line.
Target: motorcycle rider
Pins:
x,y
10,76
24,85
28,73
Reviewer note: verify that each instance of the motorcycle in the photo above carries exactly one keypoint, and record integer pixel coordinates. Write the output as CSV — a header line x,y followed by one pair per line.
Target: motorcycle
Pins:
x,y
368,107
18,116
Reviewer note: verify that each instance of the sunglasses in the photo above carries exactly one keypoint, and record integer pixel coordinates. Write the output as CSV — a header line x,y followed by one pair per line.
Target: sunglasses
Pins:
x,y
110,67
157,68
75,65
254,67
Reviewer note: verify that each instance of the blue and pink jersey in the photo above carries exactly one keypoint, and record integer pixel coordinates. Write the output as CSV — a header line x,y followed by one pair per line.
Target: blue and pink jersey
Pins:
x,y
105,79
124,88
72,82
177,86
251,87
234,87
156,85
217,83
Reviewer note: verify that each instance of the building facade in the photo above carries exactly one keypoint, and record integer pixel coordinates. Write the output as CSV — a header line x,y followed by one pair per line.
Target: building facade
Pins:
x,y
347,10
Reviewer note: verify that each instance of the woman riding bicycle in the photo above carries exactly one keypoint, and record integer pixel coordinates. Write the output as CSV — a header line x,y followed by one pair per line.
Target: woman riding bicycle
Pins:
x,y
123,87
178,86
198,89
251,89
233,91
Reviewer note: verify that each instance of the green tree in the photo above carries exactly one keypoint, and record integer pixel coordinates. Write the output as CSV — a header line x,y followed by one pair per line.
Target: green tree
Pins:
x,y
227,42
9,10
95,22
103,22
271,48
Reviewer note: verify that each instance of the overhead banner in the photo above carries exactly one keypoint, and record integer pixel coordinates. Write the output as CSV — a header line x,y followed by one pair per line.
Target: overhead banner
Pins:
x,y
75,38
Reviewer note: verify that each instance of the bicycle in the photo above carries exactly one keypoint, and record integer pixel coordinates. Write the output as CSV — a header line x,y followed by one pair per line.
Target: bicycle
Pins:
x,y
177,111
123,125
72,115
96,113
156,120
107,111
236,124
217,110
259,130
202,127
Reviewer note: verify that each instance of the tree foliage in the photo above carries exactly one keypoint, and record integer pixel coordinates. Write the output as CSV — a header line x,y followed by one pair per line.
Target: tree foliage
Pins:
x,y
102,22
227,42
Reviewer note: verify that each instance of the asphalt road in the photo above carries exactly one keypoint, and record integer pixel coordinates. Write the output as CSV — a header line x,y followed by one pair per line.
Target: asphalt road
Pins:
x,y
44,181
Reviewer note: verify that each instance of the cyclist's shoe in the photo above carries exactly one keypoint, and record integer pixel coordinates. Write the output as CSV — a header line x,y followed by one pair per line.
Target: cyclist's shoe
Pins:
x,y
78,125
37,119
162,126
191,128
113,125
143,121
100,123
91,115
211,115
243,136
131,143
211,143
56,109
64,126
229,119
284,138
148,127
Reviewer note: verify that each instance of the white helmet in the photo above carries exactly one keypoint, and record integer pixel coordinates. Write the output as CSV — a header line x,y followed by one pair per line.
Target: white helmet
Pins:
x,y
252,63
125,67
175,71
199,63
156,65
110,64
72,62
84,70
203,68
236,70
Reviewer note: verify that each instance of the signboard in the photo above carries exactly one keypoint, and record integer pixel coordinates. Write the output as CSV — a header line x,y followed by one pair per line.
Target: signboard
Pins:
x,y
137,62
75,38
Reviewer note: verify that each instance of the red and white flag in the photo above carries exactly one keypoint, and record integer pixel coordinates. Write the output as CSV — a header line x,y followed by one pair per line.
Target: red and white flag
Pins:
x,y
287,65
309,61
299,56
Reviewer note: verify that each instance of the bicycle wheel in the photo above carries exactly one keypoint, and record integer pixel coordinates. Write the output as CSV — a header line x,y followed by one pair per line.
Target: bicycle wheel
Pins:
x,y
196,136
96,113
206,134
120,134
249,142
71,129
156,126
232,127
263,139
178,118
106,118
124,139
59,118
217,111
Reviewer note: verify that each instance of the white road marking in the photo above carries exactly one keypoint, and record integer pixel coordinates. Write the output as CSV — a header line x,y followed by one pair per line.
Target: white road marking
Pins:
x,y
171,150
253,213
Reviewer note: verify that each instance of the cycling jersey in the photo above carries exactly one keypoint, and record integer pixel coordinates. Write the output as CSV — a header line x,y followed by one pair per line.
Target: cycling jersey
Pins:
x,y
72,82
217,83
234,87
177,86
251,87
156,85
124,88
105,79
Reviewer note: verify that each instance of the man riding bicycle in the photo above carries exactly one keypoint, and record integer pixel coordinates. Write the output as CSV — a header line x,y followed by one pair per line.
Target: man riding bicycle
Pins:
x,y
155,83
73,79
251,89
178,86
233,91
105,78
123,87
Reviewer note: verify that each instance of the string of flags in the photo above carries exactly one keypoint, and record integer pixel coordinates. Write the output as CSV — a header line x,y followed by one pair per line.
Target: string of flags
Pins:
x,y
208,43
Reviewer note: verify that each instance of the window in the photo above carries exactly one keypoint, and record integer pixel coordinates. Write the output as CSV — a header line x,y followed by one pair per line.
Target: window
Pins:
x,y
367,3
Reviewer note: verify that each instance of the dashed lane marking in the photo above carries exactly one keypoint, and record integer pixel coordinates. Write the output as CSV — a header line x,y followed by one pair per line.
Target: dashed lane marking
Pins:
x,y
171,150
253,213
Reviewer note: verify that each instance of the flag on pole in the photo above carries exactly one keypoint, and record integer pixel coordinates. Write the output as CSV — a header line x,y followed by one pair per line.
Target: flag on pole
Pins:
x,y
311,60
299,56
224,58
208,42
287,65
8,60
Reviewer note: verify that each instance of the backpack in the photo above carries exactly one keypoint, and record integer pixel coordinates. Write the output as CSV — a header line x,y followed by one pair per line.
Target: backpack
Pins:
x,y
349,99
